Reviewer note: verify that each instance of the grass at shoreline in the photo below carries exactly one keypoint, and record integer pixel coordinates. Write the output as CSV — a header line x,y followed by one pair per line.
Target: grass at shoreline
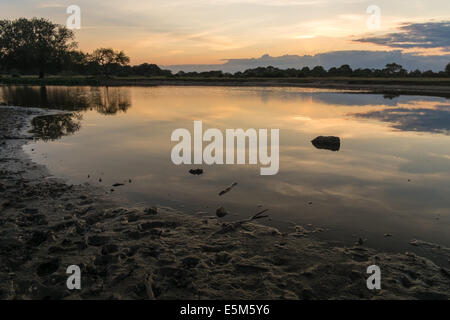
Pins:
x,y
124,81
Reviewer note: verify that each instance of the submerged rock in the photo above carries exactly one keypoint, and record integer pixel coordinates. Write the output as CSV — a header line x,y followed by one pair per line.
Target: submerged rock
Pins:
x,y
330,143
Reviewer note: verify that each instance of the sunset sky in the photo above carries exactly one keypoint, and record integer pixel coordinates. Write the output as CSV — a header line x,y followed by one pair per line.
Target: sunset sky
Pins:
x,y
209,31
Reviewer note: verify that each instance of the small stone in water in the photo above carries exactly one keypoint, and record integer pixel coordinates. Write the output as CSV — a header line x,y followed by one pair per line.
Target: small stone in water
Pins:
x,y
196,171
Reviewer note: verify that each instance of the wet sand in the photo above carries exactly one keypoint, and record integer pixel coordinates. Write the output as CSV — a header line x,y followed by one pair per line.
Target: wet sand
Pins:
x,y
159,253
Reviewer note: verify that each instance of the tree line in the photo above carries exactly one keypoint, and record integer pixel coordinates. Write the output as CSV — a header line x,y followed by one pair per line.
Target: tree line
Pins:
x,y
390,70
38,46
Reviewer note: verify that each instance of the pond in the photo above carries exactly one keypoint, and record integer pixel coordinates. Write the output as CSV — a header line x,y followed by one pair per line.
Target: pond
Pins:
x,y
390,176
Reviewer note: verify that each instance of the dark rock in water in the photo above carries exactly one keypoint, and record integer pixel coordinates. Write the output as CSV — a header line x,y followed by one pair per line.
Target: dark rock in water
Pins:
x,y
47,268
329,143
196,171
221,212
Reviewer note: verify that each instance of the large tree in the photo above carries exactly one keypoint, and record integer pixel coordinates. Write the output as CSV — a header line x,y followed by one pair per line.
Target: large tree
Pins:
x,y
34,44
447,69
107,59
394,69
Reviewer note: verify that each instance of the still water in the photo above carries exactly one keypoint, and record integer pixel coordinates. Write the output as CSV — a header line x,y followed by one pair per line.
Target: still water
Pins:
x,y
390,176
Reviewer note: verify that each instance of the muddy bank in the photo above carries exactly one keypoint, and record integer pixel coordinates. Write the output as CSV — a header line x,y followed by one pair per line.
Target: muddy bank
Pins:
x,y
147,253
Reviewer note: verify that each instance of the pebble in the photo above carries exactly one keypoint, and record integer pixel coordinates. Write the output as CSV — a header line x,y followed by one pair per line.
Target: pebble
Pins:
x,y
221,212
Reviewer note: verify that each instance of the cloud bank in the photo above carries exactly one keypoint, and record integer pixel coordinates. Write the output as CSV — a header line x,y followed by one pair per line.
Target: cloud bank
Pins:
x,y
416,35
355,58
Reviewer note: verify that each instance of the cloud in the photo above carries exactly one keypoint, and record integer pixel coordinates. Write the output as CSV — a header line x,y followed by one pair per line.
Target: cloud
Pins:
x,y
355,58
274,3
416,35
50,5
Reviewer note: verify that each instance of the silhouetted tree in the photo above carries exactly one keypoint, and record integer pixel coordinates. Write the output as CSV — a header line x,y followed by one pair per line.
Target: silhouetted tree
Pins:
x,y
149,70
363,73
345,70
394,69
415,73
447,69
33,44
318,71
107,59
428,74
305,72
333,72
76,62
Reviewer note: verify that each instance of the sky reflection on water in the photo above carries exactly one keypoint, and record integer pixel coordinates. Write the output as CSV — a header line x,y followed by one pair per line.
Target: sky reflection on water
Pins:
x,y
391,174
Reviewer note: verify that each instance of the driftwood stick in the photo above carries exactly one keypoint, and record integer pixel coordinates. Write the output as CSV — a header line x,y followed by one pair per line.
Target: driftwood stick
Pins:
x,y
259,215
238,224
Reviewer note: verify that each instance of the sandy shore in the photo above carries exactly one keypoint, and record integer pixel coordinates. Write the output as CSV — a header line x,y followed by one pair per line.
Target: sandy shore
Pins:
x,y
158,253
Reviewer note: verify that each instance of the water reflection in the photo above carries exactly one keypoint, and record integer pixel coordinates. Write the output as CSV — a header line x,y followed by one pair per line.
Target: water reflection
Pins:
x,y
339,98
110,101
53,127
382,180
104,100
435,119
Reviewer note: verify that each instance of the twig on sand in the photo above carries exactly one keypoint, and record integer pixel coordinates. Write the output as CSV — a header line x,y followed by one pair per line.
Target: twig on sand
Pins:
x,y
227,189
149,287
227,227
